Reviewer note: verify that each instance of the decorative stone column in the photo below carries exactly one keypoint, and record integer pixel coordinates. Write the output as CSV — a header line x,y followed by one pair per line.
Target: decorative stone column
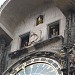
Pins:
x,y
70,29
2,55
69,39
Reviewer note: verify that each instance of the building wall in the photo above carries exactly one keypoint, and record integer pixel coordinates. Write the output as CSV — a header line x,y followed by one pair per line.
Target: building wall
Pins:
x,y
53,46
51,14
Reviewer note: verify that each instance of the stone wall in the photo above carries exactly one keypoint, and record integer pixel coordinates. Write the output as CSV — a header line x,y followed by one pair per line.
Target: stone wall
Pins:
x,y
51,14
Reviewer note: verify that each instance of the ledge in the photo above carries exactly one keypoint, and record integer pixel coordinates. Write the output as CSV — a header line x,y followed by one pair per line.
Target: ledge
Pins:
x,y
48,41
17,53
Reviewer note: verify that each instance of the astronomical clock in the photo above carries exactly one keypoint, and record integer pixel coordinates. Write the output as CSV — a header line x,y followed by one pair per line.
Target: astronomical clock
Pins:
x,y
37,64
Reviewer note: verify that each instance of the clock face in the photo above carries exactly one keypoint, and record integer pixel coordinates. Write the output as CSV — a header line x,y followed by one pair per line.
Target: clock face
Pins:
x,y
39,66
39,69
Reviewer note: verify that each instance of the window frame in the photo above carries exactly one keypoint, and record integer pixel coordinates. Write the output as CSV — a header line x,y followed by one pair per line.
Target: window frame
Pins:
x,y
37,20
53,24
22,37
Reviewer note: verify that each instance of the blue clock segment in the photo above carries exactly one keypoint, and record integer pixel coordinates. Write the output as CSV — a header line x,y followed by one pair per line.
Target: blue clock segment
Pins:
x,y
40,69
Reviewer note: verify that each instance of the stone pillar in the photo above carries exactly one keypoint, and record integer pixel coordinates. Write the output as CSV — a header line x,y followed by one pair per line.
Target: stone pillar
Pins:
x,y
70,29
2,55
69,39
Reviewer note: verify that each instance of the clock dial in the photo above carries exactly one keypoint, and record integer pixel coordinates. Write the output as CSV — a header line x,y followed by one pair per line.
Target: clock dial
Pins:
x,y
39,69
39,66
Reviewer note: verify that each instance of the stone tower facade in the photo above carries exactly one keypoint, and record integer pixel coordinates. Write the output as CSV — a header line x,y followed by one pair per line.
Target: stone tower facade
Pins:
x,y
42,36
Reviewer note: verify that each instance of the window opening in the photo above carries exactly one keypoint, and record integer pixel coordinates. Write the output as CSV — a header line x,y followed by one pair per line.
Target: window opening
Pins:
x,y
39,20
25,40
53,29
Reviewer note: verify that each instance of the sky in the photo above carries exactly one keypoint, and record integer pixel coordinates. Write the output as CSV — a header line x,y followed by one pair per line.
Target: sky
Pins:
x,y
2,1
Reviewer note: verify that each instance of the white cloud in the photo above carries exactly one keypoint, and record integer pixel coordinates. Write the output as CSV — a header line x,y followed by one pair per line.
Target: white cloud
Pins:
x,y
2,1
